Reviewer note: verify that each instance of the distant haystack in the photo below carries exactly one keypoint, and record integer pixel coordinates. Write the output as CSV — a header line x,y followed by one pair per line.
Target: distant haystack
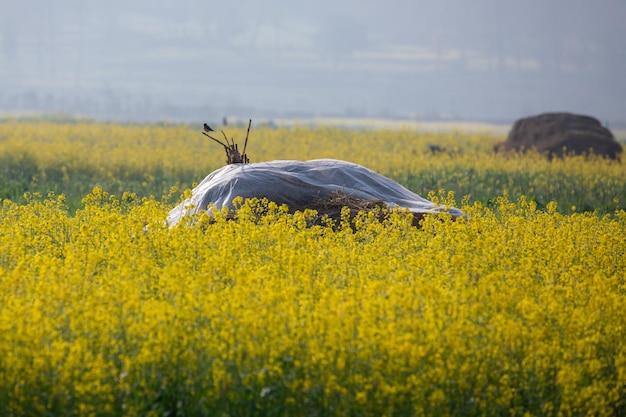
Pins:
x,y
558,134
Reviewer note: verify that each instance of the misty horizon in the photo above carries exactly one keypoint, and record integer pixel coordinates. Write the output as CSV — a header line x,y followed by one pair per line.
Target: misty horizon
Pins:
x,y
192,60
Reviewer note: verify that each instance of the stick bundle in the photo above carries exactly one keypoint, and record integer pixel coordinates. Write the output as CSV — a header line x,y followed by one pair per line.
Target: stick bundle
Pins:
x,y
232,149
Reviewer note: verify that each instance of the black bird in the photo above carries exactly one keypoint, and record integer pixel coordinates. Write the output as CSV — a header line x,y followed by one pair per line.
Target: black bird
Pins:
x,y
208,128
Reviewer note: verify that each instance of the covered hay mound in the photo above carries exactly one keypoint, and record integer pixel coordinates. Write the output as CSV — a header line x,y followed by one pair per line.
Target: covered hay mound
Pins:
x,y
325,185
558,134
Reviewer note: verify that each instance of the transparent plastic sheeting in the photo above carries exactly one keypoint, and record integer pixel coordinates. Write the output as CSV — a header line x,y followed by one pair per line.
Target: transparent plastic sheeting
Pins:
x,y
297,183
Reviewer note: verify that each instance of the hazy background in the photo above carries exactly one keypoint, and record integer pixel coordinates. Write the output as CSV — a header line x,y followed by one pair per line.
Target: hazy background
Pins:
x,y
192,60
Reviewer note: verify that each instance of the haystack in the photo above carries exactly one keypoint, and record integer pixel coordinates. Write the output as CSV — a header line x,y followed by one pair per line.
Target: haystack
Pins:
x,y
325,185
558,134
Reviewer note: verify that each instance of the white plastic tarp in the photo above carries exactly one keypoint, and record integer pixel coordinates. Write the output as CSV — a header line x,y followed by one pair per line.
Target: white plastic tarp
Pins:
x,y
297,183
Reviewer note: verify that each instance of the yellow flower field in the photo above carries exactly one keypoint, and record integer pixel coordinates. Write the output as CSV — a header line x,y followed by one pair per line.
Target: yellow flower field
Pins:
x,y
73,158
517,310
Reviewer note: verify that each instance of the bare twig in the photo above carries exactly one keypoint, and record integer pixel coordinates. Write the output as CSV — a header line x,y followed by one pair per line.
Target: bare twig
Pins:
x,y
226,138
245,144
217,140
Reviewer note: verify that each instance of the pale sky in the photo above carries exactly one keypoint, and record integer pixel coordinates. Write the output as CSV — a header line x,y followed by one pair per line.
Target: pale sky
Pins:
x,y
478,60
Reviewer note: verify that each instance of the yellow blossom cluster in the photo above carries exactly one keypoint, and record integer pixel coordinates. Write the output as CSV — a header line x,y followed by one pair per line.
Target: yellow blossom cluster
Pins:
x,y
511,311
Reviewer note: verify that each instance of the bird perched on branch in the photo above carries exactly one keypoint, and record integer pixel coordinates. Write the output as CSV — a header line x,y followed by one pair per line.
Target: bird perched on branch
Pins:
x,y
232,150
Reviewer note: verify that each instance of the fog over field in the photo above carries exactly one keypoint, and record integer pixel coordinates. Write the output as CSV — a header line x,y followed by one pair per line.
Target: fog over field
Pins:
x,y
191,60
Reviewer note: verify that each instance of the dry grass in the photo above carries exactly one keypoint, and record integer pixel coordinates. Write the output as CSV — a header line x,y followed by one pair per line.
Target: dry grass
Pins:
x,y
332,205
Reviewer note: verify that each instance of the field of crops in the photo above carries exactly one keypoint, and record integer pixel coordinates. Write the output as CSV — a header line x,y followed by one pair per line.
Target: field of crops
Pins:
x,y
517,310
